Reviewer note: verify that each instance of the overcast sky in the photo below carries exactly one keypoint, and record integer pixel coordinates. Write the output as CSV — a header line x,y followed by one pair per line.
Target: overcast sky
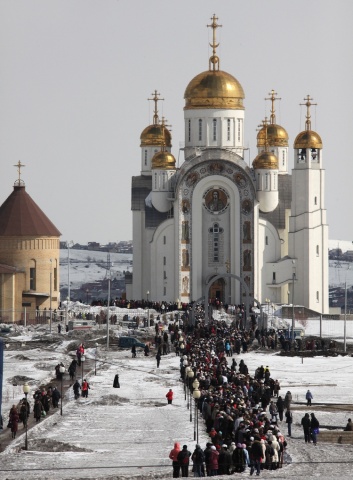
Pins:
x,y
75,76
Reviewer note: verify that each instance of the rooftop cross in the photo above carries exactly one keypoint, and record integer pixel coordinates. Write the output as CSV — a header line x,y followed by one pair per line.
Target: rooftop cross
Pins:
x,y
155,99
214,59
273,98
308,104
19,165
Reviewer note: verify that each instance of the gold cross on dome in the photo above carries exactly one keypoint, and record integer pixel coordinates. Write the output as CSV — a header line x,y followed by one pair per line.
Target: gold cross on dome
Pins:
x,y
19,165
214,25
155,99
308,104
273,98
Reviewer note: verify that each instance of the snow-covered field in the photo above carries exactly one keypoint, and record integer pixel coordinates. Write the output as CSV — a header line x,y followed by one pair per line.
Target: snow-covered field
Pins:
x,y
128,432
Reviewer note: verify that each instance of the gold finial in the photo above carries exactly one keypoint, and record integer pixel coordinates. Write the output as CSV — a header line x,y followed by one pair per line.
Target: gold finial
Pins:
x,y
155,99
164,125
273,98
19,165
214,59
308,104
263,126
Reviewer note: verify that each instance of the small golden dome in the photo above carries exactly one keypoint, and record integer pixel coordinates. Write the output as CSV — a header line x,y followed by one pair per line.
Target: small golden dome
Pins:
x,y
156,135
265,161
308,139
214,89
276,136
163,161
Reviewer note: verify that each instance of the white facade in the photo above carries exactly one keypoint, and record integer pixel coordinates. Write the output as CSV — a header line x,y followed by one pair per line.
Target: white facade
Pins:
x,y
215,216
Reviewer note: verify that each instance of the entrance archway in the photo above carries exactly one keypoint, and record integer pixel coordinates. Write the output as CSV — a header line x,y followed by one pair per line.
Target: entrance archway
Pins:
x,y
217,290
223,276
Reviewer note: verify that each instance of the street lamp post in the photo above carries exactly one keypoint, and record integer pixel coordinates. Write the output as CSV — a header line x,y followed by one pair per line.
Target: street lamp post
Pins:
x,y
293,313
26,391
196,394
95,360
83,358
148,309
186,371
108,304
195,388
62,371
345,314
190,376
267,300
302,342
87,292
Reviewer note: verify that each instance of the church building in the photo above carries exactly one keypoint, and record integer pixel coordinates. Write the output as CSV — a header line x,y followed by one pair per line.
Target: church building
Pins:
x,y
217,228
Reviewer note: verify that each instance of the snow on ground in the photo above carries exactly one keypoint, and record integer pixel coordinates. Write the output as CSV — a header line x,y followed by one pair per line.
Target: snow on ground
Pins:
x,y
128,432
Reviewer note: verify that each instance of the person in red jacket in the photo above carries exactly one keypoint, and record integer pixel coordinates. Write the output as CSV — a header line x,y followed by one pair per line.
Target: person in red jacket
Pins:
x,y
170,396
174,456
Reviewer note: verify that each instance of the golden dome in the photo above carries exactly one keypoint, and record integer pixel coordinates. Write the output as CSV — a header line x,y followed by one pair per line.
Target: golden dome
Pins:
x,y
156,135
214,89
265,161
276,136
308,139
163,161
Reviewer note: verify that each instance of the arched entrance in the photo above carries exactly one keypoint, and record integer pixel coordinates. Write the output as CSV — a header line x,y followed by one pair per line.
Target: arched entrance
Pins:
x,y
217,290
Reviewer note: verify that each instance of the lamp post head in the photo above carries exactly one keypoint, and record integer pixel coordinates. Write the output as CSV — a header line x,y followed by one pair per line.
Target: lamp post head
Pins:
x,y
83,358
26,389
196,393
62,369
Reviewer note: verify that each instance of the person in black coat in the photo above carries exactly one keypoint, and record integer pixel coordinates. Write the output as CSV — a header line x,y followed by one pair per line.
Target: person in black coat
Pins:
x,y
314,427
256,455
183,459
306,427
158,357
55,397
280,407
289,421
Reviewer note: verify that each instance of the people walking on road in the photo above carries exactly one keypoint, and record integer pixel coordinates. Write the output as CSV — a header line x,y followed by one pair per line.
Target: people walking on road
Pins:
x,y
133,351
158,357
173,455
306,427
76,388
85,388
280,407
287,400
13,420
183,459
314,428
37,410
170,396
289,421
55,397
308,397
72,369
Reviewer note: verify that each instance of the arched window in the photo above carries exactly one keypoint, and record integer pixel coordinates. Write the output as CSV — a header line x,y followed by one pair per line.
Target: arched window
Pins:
x,y
32,275
200,129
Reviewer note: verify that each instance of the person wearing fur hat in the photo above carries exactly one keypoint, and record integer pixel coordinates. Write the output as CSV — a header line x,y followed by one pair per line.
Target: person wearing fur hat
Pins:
x,y
239,460
183,459
256,456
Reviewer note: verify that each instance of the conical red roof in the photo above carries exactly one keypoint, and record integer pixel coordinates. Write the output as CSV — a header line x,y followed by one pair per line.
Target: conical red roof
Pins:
x,y
21,216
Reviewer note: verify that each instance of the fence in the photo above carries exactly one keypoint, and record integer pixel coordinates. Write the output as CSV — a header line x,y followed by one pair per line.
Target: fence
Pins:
x,y
29,317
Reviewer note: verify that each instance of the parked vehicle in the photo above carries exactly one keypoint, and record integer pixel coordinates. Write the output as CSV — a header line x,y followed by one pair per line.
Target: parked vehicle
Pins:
x,y
128,342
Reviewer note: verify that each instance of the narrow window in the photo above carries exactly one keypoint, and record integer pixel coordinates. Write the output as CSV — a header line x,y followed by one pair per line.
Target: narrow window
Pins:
x,y
164,239
317,250
214,129
32,278
273,277
55,279
216,242
258,181
164,261
274,181
228,129
164,291
283,158
163,181
315,200
239,129
164,274
145,157
155,181
317,296
200,129
266,240
189,130
266,181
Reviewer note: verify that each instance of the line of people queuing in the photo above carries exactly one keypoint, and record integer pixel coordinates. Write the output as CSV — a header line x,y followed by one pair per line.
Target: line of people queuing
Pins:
x,y
233,404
